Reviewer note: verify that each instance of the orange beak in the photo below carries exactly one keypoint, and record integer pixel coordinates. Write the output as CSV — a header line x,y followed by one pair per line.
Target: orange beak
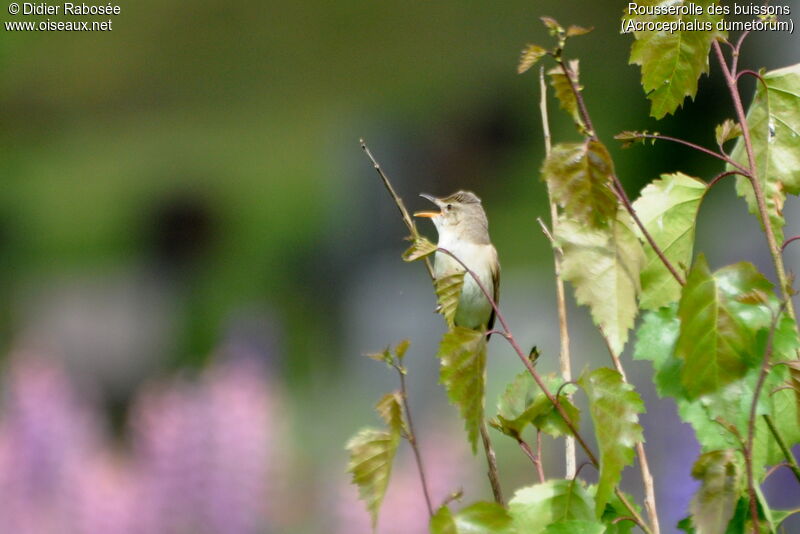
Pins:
x,y
428,214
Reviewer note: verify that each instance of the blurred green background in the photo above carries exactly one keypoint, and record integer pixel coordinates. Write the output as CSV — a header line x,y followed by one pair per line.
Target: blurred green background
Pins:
x,y
194,175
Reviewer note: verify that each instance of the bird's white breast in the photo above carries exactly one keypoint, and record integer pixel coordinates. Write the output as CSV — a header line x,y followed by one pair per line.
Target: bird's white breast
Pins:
x,y
473,307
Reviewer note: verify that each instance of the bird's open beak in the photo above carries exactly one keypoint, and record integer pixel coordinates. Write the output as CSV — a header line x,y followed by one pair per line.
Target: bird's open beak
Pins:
x,y
428,214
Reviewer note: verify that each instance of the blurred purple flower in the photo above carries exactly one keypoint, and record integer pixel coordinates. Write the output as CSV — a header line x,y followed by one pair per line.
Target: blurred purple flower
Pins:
x,y
203,456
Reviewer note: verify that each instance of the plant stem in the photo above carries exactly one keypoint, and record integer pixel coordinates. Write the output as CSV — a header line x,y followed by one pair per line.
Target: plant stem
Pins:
x,y
787,452
535,458
620,191
506,333
702,149
751,422
491,460
412,440
647,477
774,248
565,367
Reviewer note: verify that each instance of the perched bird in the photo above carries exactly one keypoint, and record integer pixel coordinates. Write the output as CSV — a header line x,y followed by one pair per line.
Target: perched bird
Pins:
x,y
464,230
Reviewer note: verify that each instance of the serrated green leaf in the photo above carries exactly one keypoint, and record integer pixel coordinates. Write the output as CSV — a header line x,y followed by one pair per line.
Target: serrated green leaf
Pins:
x,y
717,340
372,452
390,408
533,508
419,249
531,54
384,356
448,292
604,265
575,526
462,354
523,403
579,178
713,505
671,61
774,123
552,25
727,131
668,209
615,409
563,89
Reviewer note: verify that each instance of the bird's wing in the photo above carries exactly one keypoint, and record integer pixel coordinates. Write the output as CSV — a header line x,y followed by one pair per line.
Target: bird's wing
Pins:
x,y
495,289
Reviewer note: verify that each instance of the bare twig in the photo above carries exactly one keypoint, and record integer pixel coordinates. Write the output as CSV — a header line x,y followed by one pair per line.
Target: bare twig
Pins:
x,y
538,379
536,458
409,222
412,440
790,240
714,181
491,460
564,365
694,146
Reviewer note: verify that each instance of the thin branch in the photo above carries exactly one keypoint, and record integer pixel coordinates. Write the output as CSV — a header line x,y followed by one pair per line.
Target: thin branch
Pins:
x,y
564,364
722,175
647,476
409,222
751,422
790,240
412,440
752,172
535,458
689,144
538,379
491,460
791,461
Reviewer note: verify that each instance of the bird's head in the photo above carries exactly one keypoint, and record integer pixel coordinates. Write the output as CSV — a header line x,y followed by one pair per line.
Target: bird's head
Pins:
x,y
460,213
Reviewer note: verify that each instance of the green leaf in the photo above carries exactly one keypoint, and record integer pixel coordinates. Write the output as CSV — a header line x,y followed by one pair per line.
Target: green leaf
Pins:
x,y
668,209
448,292
575,526
390,408
655,341
477,518
531,54
615,409
535,507
523,403
371,454
774,123
563,88
717,338
616,511
442,522
604,265
401,348
579,178
574,31
419,249
462,354
552,25
671,61
727,131
713,505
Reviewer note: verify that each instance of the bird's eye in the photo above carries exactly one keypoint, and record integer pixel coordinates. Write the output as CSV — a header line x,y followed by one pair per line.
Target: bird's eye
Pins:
x,y
449,206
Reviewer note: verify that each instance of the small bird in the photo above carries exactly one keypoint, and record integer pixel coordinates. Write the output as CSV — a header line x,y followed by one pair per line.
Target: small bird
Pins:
x,y
464,230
